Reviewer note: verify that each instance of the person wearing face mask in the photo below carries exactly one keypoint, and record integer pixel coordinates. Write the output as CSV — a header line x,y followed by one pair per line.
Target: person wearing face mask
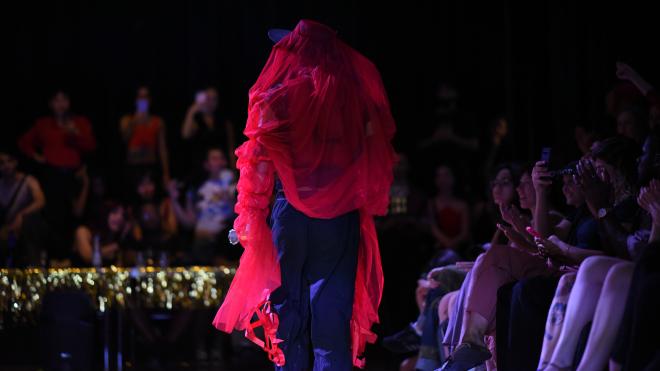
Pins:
x,y
144,136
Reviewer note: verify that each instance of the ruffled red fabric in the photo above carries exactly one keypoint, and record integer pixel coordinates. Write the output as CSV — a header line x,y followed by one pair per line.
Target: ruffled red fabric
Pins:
x,y
319,118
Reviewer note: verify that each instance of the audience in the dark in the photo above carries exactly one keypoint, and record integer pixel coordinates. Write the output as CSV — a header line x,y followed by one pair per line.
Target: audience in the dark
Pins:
x,y
109,239
205,126
208,211
58,144
21,225
153,219
513,278
449,219
144,136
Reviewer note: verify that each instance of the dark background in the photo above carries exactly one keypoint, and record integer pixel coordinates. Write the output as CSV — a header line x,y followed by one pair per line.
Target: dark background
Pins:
x,y
545,65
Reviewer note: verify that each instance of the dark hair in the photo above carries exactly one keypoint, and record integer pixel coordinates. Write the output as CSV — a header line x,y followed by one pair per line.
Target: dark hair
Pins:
x,y
100,224
640,115
620,152
159,192
56,92
526,168
514,168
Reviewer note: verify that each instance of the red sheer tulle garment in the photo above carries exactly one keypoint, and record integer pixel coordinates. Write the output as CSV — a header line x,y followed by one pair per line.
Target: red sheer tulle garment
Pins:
x,y
319,118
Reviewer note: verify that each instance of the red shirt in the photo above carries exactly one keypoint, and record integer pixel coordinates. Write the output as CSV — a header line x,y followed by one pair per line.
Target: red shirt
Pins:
x,y
59,147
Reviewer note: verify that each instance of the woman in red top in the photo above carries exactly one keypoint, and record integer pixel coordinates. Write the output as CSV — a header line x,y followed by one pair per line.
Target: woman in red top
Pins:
x,y
144,136
449,218
59,142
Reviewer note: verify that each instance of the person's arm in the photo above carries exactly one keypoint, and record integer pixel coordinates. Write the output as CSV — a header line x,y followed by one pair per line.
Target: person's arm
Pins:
x,y
255,186
80,202
163,153
185,216
655,233
513,216
126,127
231,143
38,202
613,233
625,72
614,236
542,183
518,240
169,219
38,198
189,127
562,229
556,248
649,200
83,244
85,249
30,142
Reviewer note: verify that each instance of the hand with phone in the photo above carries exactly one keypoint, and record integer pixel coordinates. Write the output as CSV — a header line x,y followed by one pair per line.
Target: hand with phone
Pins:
x,y
513,216
521,241
598,192
541,177
200,100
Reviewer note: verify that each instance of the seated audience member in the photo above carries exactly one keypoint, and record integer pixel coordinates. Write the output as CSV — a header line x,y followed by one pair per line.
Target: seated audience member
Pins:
x,y
522,316
209,212
58,144
112,235
21,227
636,345
438,282
449,217
153,220
601,281
473,315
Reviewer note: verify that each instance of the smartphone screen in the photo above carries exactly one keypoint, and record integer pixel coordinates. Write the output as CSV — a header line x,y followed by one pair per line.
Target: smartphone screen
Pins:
x,y
545,155
200,97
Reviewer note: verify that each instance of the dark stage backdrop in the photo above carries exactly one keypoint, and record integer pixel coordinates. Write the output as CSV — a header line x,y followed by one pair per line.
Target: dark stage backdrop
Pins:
x,y
546,65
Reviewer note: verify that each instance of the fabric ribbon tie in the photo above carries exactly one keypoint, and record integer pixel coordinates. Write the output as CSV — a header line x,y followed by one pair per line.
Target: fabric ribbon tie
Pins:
x,y
270,321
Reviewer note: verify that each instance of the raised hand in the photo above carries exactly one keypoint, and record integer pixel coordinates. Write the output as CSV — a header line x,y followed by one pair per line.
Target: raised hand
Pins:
x,y
519,239
597,192
512,215
625,72
541,177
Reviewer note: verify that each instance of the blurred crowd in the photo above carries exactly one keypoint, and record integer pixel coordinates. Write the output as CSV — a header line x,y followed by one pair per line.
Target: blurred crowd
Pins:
x,y
541,263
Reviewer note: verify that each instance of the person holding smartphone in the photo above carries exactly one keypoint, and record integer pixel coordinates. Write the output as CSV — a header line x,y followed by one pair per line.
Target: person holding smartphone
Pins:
x,y
204,127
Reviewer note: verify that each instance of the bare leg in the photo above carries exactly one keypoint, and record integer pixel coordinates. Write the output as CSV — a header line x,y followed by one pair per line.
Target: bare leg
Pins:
x,y
497,266
607,317
474,328
556,318
581,308
408,364
445,305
